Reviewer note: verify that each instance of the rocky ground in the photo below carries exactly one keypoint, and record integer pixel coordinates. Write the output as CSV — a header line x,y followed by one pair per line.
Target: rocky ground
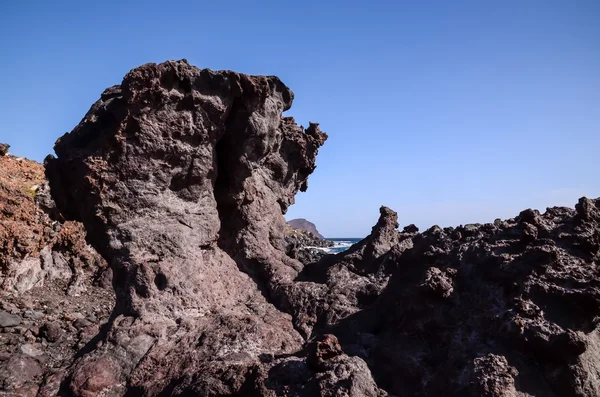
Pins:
x,y
179,178
303,224
304,245
55,289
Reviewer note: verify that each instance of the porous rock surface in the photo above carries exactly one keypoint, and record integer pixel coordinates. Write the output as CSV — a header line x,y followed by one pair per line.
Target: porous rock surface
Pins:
x,y
181,177
34,247
503,309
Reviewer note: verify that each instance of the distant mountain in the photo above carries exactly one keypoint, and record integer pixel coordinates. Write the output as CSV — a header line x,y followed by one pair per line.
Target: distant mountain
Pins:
x,y
303,224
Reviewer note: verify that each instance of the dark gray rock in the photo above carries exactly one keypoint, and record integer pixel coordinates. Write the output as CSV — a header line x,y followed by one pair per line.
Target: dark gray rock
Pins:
x,y
9,320
494,309
34,315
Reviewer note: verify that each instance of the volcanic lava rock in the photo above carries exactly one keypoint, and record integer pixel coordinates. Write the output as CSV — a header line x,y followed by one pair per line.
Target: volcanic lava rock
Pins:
x,y
503,309
9,320
4,149
323,351
51,331
181,177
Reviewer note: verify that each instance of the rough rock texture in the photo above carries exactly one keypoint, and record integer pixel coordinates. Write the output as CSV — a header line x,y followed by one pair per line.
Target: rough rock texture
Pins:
x,y
34,248
303,224
504,309
181,177
53,295
340,285
305,246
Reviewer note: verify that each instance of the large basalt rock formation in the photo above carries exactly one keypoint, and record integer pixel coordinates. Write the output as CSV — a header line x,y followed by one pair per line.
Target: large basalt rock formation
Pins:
x,y
181,177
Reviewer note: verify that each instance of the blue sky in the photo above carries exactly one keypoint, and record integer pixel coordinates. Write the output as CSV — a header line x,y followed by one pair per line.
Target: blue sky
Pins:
x,y
449,112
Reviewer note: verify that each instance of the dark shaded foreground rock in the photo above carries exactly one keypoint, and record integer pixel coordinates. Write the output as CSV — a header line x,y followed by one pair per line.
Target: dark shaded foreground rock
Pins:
x,y
181,176
340,285
504,309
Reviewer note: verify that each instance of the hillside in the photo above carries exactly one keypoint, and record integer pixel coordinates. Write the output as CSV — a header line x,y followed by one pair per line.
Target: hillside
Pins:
x,y
301,223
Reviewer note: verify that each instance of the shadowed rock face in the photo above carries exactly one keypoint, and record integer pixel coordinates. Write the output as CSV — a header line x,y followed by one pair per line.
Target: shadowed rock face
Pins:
x,y
181,177
504,309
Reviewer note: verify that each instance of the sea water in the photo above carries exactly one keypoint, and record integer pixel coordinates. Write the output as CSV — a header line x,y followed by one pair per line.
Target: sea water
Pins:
x,y
341,244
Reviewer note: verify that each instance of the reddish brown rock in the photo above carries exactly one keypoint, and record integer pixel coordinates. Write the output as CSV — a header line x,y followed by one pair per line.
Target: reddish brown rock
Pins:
x,y
46,267
34,248
51,331
20,375
97,377
323,351
491,376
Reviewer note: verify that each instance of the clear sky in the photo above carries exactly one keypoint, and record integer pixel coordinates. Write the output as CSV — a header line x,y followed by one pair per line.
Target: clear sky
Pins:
x,y
449,112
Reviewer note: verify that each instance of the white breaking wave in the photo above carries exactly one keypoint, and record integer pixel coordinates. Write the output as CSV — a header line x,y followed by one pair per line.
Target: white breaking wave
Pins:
x,y
338,246
342,244
325,249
